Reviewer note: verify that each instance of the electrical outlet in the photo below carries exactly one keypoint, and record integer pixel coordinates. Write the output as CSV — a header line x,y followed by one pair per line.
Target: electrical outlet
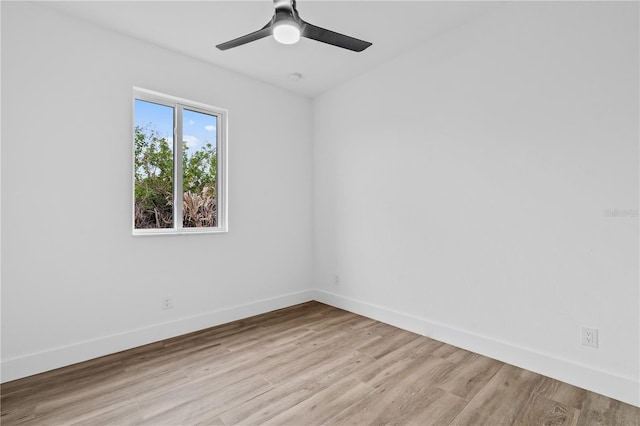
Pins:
x,y
167,303
590,337
336,280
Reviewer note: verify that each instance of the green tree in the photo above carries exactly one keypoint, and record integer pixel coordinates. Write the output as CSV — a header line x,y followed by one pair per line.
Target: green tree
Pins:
x,y
154,182
200,168
153,179
199,173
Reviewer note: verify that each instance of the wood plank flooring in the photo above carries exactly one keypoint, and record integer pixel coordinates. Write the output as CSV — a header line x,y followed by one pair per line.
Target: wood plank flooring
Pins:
x,y
309,364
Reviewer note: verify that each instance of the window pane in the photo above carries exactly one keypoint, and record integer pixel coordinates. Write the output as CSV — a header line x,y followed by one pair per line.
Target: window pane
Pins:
x,y
153,141
199,169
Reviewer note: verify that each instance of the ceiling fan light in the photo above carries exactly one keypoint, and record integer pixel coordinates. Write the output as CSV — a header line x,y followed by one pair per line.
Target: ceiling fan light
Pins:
x,y
286,32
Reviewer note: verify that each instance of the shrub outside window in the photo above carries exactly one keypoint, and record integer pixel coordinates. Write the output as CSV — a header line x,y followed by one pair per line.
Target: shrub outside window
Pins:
x,y
179,165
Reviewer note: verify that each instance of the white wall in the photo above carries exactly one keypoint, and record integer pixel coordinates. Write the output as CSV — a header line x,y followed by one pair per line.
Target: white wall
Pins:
x,y
75,283
461,190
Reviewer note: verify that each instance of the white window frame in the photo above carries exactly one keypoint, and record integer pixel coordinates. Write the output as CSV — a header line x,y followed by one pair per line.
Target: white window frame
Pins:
x,y
178,104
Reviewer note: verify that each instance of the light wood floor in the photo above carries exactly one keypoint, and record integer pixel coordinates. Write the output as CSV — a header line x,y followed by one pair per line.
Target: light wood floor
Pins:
x,y
305,365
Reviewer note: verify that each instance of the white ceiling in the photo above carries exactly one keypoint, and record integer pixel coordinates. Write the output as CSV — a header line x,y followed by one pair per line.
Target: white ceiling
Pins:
x,y
193,28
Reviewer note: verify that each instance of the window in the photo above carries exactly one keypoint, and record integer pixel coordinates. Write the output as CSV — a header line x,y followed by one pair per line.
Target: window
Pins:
x,y
179,170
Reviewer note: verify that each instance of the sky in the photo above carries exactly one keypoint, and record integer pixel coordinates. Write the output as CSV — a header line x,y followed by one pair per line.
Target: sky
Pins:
x,y
198,129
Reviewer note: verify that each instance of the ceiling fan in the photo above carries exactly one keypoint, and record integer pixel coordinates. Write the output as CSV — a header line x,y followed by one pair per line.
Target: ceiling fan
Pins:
x,y
287,27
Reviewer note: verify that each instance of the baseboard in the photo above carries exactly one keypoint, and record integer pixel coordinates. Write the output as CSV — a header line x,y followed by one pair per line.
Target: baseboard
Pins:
x,y
27,365
625,389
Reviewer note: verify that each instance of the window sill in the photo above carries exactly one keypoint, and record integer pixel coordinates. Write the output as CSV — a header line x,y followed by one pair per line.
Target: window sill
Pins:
x,y
195,231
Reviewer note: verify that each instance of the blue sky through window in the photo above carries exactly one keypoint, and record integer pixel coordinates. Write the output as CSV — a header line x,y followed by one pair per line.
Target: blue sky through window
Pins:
x,y
198,129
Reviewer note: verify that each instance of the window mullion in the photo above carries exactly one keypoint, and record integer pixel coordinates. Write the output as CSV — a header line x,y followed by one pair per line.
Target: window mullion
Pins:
x,y
177,148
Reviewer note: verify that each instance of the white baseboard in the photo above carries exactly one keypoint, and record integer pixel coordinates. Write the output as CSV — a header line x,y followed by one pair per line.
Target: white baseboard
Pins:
x,y
30,364
625,389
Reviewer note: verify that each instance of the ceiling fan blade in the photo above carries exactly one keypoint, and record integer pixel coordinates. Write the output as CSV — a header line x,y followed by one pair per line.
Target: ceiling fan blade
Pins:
x,y
331,37
256,35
